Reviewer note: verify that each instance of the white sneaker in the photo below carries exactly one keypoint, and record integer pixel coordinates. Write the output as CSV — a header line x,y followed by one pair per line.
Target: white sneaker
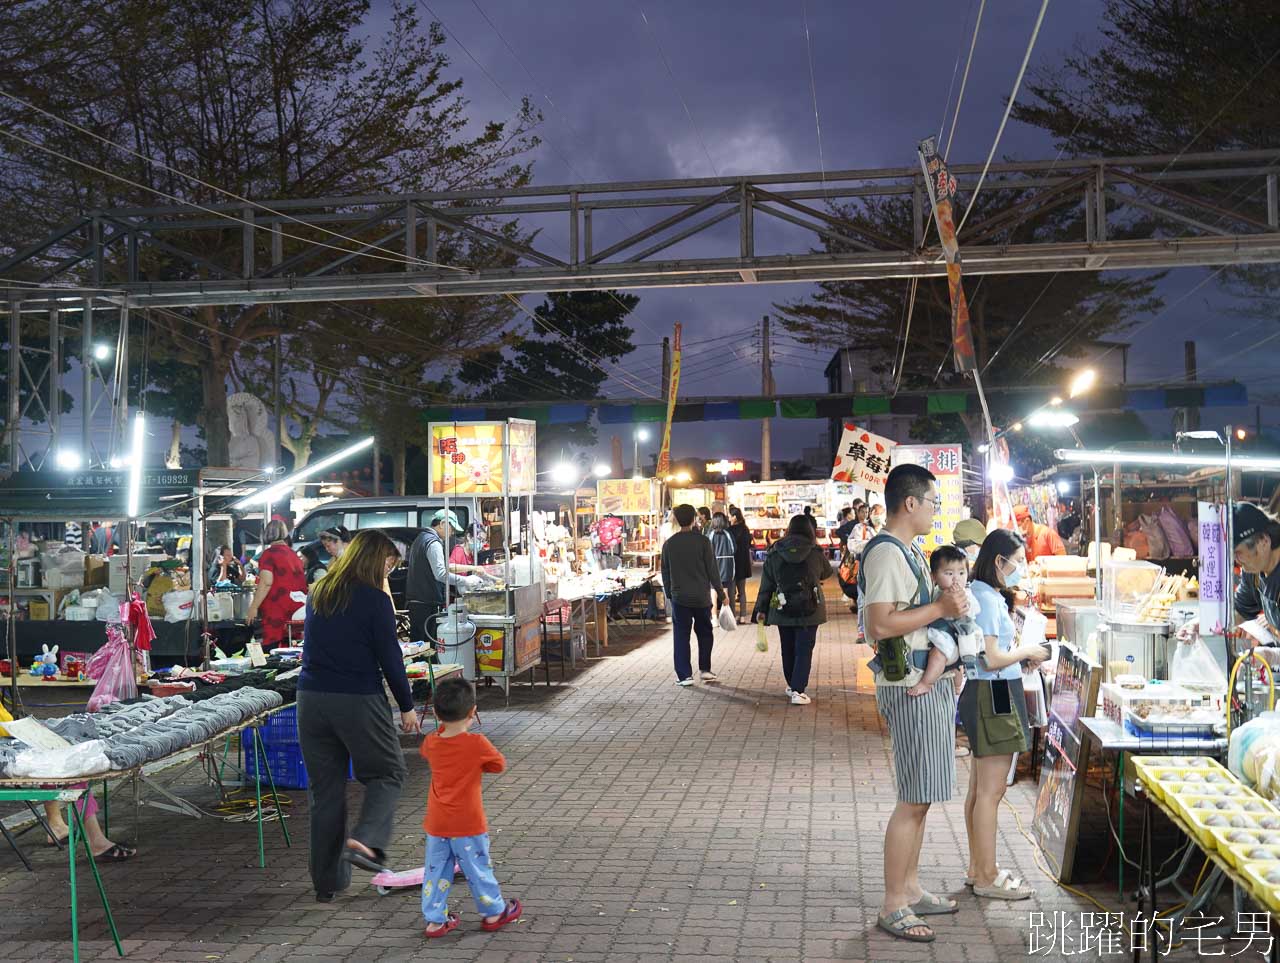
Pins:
x,y
790,692
684,682
709,677
800,699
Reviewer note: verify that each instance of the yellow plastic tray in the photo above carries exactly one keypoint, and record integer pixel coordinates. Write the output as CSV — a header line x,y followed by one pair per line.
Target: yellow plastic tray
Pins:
x,y
1159,779
1188,808
1264,890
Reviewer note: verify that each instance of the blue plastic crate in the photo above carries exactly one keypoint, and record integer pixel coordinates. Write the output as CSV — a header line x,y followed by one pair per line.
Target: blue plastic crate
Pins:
x,y
281,751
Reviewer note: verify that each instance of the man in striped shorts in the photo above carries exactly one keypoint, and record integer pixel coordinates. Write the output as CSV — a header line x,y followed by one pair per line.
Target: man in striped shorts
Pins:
x,y
896,603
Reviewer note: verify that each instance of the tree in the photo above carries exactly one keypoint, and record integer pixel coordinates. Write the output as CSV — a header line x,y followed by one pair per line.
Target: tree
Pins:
x,y
1024,325
1172,77
564,356
265,98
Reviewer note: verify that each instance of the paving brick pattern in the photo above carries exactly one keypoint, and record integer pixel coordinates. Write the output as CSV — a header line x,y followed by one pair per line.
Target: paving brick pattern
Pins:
x,y
637,821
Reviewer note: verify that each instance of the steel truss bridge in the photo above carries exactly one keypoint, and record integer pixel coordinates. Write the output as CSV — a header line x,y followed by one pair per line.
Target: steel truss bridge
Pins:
x,y
1114,213
626,235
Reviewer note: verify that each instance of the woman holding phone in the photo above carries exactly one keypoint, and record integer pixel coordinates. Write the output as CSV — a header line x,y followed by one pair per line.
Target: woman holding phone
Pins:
x,y
993,709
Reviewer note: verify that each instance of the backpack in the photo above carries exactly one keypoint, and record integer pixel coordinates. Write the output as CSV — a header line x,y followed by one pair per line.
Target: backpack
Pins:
x,y
796,590
892,656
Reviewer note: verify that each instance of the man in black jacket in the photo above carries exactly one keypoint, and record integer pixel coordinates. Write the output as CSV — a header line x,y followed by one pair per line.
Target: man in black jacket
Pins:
x,y
689,573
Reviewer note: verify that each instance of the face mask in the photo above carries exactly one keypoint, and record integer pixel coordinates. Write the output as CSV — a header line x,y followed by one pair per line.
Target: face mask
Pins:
x,y
1013,579
972,552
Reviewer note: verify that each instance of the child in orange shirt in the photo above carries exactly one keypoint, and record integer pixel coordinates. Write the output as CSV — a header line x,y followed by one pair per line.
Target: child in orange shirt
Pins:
x,y
455,822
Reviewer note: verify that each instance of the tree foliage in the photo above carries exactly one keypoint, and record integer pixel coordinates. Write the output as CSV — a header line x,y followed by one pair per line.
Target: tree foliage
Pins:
x,y
566,354
264,98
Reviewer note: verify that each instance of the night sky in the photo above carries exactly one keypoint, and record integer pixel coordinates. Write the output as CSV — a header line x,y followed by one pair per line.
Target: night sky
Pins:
x,y
882,73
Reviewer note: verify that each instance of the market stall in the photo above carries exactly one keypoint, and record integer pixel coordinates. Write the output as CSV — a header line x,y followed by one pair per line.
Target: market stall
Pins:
x,y
767,507
493,465
69,593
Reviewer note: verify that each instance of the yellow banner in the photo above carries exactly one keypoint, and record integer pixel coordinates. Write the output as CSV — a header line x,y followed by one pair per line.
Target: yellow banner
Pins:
x,y
625,496
664,454
466,458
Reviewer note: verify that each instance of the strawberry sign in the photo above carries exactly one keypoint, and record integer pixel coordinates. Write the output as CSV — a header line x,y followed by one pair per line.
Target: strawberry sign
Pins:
x,y
862,458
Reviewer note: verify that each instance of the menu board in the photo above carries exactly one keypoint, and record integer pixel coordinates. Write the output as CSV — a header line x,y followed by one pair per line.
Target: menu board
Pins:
x,y
1066,759
946,463
862,458
522,456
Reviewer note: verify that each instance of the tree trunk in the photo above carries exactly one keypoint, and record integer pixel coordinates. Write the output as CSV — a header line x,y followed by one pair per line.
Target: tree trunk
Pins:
x,y
213,416
397,468
174,458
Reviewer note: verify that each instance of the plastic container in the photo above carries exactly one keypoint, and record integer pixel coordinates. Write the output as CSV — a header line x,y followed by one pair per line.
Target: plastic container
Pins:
x,y
1126,587
1203,814
1264,883
282,754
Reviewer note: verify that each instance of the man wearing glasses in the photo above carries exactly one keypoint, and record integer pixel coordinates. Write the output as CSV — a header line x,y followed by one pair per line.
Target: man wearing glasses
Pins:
x,y
896,598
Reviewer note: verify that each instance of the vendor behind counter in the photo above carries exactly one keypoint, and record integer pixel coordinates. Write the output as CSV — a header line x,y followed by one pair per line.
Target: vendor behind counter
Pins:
x,y
1257,552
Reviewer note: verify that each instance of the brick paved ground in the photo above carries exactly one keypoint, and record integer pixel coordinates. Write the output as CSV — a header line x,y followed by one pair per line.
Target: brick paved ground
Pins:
x,y
637,821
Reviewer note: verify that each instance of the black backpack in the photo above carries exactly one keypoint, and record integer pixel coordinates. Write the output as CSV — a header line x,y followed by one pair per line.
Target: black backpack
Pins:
x,y
796,588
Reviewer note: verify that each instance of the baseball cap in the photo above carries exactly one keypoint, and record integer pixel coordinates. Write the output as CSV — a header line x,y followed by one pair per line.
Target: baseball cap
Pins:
x,y
969,532
1249,520
453,519
1021,512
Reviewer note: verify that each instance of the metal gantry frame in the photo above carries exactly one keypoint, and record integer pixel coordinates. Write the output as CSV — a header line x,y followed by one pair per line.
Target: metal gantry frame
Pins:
x,y
388,246
34,427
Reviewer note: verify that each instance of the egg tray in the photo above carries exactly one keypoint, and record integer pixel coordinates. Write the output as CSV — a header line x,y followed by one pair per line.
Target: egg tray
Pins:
x,y
1199,819
1158,779
1264,882
1240,854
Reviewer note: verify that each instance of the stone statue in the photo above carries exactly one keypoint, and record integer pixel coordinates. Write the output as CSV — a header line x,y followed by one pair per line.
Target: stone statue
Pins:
x,y
251,444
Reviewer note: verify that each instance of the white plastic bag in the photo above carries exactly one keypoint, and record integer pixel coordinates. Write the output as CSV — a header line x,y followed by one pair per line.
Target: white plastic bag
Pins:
x,y
1193,662
728,621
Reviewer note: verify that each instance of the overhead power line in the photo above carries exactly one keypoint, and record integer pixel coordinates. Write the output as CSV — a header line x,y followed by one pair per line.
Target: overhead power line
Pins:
x,y
955,118
1026,58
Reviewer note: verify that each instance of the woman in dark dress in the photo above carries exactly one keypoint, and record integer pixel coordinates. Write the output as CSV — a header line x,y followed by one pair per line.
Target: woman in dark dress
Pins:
x,y
741,536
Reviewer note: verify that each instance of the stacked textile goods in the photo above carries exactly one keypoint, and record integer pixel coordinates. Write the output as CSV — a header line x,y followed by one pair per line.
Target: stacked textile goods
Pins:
x,y
124,735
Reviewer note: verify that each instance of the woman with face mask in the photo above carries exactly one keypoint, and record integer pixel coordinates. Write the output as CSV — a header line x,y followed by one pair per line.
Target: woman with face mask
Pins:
x,y
993,709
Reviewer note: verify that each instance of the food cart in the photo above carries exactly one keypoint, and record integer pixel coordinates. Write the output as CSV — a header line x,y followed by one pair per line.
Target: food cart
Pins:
x,y
494,464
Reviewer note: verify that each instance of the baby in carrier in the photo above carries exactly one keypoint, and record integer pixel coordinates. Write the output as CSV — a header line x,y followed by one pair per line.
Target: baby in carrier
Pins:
x,y
952,642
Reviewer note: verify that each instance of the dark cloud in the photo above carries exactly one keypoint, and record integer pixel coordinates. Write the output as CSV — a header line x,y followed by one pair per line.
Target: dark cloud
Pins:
x,y
882,73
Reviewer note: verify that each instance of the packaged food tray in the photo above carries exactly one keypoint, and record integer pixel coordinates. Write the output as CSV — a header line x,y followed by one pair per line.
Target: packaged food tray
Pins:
x,y
1264,881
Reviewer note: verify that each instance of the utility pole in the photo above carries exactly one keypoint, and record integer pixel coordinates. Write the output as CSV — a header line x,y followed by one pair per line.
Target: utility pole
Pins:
x,y
1191,416
766,387
666,370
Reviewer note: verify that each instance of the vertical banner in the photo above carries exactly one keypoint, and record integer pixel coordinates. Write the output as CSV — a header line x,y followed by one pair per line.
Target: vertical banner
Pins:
x,y
862,458
945,461
1213,568
664,454
942,195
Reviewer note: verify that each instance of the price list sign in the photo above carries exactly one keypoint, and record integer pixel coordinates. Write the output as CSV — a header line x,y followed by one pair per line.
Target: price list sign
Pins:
x,y
945,461
1213,567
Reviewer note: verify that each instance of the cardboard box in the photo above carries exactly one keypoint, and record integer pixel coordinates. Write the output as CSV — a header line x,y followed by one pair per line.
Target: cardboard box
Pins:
x,y
38,610
116,573
95,571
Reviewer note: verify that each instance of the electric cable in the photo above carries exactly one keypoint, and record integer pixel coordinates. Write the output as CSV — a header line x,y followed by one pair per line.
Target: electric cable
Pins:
x,y
1026,58
813,90
955,117
398,256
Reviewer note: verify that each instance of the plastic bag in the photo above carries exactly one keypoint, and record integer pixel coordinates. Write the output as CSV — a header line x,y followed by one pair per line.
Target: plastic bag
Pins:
x,y
1254,753
762,640
728,621
112,666
1193,662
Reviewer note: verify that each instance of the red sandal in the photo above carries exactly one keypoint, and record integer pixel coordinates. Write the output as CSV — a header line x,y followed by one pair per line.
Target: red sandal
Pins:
x,y
509,915
450,924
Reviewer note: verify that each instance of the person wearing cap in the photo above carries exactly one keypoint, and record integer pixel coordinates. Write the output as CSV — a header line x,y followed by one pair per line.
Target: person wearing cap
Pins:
x,y
1257,552
428,574
1040,539
968,536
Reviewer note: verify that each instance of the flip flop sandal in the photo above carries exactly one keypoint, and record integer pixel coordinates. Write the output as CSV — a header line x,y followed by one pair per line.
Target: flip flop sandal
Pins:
x,y
930,905
899,924
1006,887
367,863
450,924
116,854
509,915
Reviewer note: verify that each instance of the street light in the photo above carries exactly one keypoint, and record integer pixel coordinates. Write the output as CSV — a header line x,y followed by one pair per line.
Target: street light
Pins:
x,y
564,474
601,470
641,434
68,460
101,352
1082,382
1055,418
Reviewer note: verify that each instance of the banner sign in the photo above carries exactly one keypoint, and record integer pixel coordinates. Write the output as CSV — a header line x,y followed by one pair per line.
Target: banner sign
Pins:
x,y
664,453
522,456
862,458
942,195
466,459
625,496
945,461
1213,568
